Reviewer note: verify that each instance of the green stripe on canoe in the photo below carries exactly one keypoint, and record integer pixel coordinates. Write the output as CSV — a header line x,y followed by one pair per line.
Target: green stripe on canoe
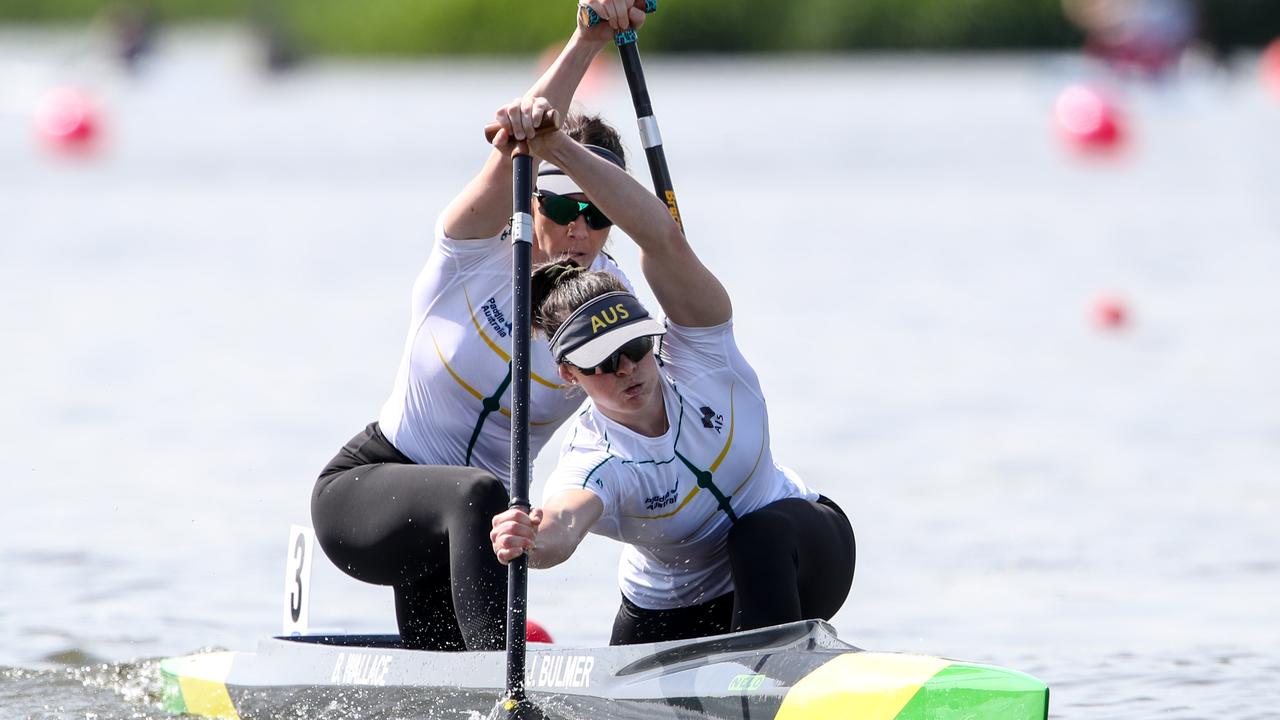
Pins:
x,y
171,692
196,685
965,691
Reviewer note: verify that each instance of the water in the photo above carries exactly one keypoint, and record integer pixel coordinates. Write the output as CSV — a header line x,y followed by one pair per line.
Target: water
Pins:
x,y
195,322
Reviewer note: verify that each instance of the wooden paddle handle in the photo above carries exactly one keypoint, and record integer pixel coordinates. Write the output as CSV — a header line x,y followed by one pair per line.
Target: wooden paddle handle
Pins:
x,y
491,130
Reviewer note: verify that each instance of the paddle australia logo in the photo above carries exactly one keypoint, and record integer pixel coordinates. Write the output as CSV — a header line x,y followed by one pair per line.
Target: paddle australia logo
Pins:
x,y
608,317
496,319
711,419
559,671
360,669
660,501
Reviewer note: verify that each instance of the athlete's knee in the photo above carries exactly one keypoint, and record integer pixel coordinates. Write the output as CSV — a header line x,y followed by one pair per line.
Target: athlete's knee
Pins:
x,y
483,492
326,518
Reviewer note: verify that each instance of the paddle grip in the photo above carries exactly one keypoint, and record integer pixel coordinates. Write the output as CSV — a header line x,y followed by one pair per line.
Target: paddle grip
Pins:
x,y
491,130
626,36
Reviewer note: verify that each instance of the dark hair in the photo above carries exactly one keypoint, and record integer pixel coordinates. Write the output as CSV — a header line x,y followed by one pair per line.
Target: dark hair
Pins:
x,y
561,287
592,130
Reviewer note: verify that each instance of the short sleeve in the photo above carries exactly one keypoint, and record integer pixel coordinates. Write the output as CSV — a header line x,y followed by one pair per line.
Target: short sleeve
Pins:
x,y
466,252
689,353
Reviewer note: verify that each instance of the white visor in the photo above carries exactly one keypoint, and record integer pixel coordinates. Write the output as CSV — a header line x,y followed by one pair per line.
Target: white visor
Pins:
x,y
594,351
552,179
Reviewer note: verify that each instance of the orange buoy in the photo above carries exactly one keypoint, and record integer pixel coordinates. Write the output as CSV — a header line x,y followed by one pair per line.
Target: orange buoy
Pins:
x,y
1088,120
67,121
535,633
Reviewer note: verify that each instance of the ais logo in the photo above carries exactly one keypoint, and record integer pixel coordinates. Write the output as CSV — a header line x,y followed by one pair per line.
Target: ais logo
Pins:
x,y
608,316
711,419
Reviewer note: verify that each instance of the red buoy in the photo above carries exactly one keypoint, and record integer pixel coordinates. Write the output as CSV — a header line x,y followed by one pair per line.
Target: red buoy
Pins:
x,y
1271,67
535,633
1088,120
1110,312
67,121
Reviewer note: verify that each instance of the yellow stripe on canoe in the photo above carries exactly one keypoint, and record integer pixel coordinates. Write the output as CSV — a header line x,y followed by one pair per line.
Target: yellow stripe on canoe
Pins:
x,y
862,685
204,689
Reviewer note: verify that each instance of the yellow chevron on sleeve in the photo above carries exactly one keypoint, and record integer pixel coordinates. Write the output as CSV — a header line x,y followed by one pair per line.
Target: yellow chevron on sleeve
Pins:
x,y
204,690
863,685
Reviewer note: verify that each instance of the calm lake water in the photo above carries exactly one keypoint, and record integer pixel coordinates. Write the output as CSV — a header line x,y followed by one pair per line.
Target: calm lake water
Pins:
x,y
196,320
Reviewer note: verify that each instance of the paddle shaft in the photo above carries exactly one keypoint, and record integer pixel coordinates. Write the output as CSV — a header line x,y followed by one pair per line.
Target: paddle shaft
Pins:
x,y
649,135
518,570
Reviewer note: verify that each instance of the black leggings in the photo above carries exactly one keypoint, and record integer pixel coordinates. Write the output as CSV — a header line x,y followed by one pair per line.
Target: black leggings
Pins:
x,y
423,530
791,560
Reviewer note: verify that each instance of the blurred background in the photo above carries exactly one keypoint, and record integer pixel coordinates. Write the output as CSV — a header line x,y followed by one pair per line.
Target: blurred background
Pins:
x,y
1008,270
453,27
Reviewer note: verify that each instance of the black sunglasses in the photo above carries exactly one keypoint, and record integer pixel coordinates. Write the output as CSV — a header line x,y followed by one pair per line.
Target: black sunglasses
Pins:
x,y
563,210
635,350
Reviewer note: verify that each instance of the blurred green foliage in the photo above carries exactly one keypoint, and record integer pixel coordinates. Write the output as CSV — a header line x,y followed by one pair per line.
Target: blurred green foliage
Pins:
x,y
75,10
443,27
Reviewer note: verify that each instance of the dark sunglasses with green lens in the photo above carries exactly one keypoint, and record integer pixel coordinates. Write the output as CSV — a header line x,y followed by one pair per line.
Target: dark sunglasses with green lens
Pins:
x,y
563,210
634,350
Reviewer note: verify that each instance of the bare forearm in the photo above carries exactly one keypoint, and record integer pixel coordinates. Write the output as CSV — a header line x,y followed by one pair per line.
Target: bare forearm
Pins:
x,y
560,81
627,203
482,208
689,293
541,558
565,520
557,541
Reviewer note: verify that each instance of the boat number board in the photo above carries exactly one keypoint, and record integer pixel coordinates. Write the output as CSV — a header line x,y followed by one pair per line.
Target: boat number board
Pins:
x,y
297,580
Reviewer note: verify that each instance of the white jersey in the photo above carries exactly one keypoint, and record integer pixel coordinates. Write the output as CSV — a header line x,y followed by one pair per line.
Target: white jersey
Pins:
x,y
450,404
673,498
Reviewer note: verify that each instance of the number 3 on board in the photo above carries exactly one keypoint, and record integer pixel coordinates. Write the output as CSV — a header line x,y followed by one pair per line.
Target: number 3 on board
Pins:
x,y
297,580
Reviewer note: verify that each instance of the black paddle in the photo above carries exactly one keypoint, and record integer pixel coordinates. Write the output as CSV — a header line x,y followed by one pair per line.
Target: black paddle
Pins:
x,y
649,135
515,706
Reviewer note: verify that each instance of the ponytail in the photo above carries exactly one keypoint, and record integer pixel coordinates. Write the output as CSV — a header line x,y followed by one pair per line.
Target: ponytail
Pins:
x,y
558,288
546,278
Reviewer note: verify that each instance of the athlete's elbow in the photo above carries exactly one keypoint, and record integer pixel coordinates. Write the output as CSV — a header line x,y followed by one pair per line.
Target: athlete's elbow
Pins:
x,y
665,241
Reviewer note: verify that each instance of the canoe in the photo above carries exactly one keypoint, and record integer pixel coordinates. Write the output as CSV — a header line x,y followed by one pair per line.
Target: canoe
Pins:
x,y
797,671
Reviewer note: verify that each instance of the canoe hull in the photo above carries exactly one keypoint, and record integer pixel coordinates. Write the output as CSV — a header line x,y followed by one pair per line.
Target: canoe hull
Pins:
x,y
799,671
